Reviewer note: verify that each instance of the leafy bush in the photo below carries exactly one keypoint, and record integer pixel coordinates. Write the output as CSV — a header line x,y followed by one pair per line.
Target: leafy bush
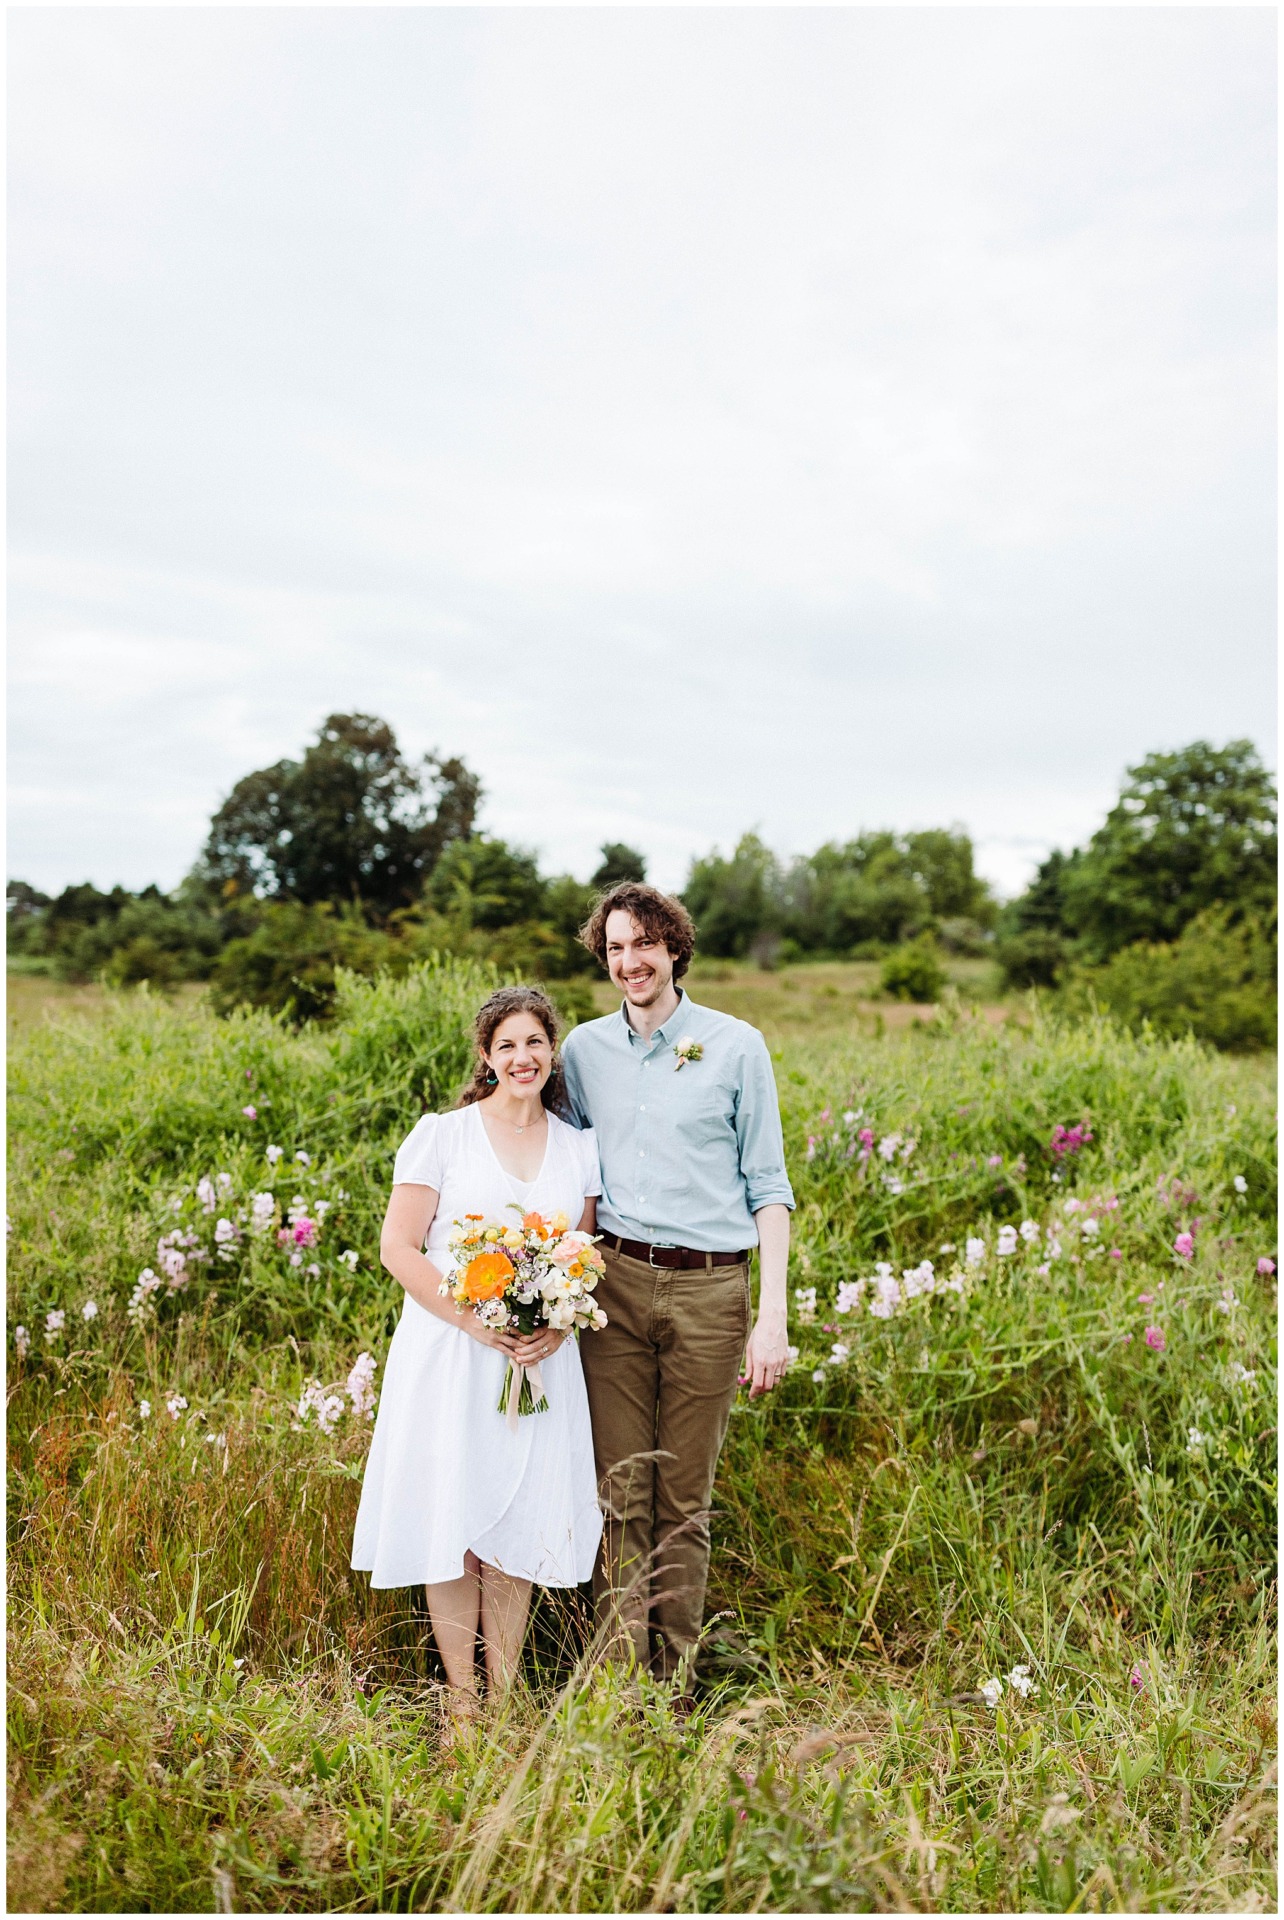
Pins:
x,y
289,963
1218,981
913,972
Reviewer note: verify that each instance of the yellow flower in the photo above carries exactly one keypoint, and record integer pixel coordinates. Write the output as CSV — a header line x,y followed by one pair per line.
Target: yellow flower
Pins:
x,y
559,1223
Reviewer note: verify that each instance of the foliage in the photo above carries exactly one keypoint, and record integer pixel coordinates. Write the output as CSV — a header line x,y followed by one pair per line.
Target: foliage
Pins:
x,y
618,864
913,972
351,823
84,933
1217,981
289,962
208,1709
877,890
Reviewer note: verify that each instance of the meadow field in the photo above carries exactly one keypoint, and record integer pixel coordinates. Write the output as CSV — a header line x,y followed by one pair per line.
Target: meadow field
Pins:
x,y
991,1621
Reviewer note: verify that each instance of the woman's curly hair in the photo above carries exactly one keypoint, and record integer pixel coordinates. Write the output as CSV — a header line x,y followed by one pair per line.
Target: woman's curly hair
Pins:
x,y
492,1014
658,914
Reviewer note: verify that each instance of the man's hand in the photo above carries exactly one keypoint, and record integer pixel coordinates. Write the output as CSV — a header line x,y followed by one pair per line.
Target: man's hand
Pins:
x,y
767,1355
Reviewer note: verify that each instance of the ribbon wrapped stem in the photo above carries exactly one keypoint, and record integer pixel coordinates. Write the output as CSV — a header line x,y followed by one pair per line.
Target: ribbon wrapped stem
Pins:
x,y
521,1393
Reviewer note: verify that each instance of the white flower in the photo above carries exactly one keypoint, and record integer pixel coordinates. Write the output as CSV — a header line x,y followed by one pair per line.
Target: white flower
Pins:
x,y
1007,1241
917,1280
144,1409
225,1179
176,1405
1240,1375
850,1117
1195,1440
1229,1300
892,1184
262,1211
849,1293
206,1194
838,1353
90,1310
55,1321
887,1147
992,1691
321,1209
326,1406
22,1342
1054,1247
1091,1227
216,1439
889,1297
1020,1682
974,1252
946,1246
296,1259
361,1385
819,1375
140,1299
792,1354
1239,1183
1029,1231
273,1154
303,1159
224,1233
805,1300
350,1255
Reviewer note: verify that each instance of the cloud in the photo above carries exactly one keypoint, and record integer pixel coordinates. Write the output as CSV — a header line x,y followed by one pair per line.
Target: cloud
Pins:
x,y
699,420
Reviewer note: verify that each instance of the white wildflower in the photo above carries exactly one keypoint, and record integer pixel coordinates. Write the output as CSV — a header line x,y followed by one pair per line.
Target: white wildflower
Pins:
x,y
273,1154
90,1310
838,1353
361,1385
946,1246
225,1179
918,1280
1229,1300
206,1194
818,1375
216,1439
21,1342
141,1298
303,1159
176,1405
992,1692
887,1146
1091,1227
1029,1231
791,1354
1195,1441
805,1301
1239,1375
893,1185
55,1321
1239,1183
225,1234
262,1211
974,1252
351,1255
144,1409
1007,1241
1020,1682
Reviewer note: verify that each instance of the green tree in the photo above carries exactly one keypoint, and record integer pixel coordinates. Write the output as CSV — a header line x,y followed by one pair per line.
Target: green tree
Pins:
x,y
1190,830
619,863
734,901
353,821
290,961
942,863
483,882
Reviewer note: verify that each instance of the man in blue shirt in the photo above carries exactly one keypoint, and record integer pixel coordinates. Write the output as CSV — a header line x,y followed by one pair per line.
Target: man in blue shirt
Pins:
x,y
683,1102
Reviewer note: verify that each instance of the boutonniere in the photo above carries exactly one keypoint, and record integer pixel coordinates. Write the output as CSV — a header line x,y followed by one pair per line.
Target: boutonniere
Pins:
x,y
687,1050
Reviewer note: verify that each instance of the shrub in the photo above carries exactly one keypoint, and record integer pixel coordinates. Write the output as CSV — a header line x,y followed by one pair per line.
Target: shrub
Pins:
x,y
1217,982
913,971
288,964
1035,957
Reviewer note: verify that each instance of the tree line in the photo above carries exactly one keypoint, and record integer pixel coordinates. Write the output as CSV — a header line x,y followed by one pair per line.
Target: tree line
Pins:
x,y
356,856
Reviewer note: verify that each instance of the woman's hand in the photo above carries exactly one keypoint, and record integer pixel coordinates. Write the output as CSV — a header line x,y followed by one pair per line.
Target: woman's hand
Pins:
x,y
531,1348
503,1342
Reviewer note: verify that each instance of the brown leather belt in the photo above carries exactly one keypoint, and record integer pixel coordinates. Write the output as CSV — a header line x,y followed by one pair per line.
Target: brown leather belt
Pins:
x,y
671,1257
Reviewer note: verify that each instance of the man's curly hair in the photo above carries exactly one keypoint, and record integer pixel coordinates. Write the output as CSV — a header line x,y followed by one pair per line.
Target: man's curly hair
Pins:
x,y
658,914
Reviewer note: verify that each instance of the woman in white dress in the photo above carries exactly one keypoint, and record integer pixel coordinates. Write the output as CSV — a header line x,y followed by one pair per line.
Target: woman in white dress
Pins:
x,y
452,1497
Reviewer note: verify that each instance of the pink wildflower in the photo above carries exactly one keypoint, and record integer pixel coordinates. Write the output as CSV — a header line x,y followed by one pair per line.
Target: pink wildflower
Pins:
x,y
1184,1244
1116,1253
1265,1265
305,1231
251,1113
1155,1339
1136,1679
1145,1298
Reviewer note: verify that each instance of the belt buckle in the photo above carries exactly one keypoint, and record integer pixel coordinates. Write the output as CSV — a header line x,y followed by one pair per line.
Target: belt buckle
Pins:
x,y
660,1246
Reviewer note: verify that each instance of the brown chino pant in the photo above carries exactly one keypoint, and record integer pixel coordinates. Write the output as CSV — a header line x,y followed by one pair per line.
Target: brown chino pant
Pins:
x,y
661,1378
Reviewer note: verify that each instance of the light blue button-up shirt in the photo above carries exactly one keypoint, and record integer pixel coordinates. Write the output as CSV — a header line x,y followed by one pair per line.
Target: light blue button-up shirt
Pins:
x,y
688,1153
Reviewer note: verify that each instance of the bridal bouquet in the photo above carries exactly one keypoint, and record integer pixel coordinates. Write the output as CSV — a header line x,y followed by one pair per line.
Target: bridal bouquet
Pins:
x,y
522,1277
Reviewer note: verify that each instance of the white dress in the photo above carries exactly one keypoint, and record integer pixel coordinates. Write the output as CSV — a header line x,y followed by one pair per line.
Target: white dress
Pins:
x,y
445,1473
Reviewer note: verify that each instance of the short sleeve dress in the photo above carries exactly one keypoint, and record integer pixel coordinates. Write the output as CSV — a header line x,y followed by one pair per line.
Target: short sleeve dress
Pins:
x,y
445,1473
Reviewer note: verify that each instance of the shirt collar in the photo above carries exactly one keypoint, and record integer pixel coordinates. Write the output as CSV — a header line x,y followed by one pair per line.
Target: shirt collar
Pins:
x,y
663,1036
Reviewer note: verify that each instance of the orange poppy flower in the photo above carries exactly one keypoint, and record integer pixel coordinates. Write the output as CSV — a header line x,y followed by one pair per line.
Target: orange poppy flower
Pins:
x,y
487,1276
535,1223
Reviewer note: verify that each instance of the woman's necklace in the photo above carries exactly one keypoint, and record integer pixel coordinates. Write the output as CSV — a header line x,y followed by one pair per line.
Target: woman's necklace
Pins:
x,y
513,1124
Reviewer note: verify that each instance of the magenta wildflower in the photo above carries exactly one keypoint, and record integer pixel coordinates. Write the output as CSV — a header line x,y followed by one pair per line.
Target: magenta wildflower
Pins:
x,y
1184,1245
251,1113
1067,1140
1136,1679
1155,1339
1265,1265
1116,1253
1145,1298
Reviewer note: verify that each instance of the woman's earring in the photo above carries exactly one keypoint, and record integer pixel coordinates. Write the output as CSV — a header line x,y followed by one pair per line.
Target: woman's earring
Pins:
x,y
492,1079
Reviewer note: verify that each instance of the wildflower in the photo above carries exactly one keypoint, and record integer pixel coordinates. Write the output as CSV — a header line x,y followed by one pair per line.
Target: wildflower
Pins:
x,y
321,1209
1239,1183
849,1293
305,1231
946,1246
992,1692
55,1321
818,1375
1069,1140
1116,1253
995,1160
225,1179
1265,1267
839,1352
1239,1375
1044,1270
893,1185
1091,1227
1007,1241
303,1159
1228,1301
273,1154
1054,1247
850,1117
888,1145
206,1194
917,1280
1029,1231
1155,1339
974,1252
1184,1245
147,1284
216,1439
1136,1679
296,1259
805,1299
1020,1682
224,1233
262,1211
1145,1299
90,1310
791,1354
144,1409
21,1342
176,1405
888,1291
1195,1441
251,1113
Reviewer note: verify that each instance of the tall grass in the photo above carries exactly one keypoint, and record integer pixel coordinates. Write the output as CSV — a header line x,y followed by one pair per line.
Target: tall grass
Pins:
x,y
208,1709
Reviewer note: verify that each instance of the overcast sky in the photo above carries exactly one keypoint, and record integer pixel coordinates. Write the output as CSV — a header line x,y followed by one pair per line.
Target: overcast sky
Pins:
x,y
802,420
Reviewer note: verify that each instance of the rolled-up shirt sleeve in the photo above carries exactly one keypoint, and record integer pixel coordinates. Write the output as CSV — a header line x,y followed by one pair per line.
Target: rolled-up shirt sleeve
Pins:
x,y
758,1130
